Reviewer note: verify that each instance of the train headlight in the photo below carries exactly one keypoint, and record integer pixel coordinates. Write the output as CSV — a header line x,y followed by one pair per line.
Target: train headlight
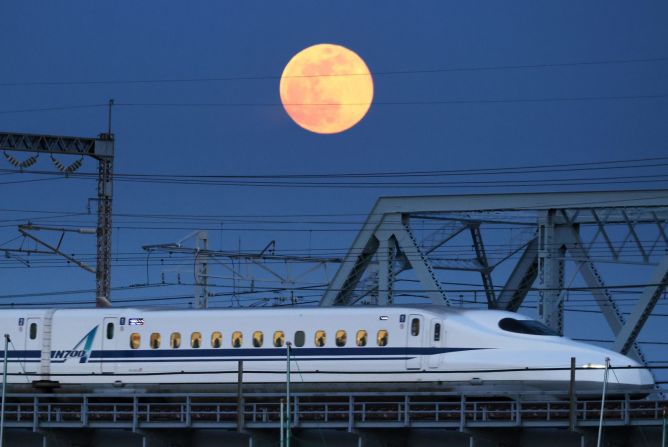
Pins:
x,y
593,365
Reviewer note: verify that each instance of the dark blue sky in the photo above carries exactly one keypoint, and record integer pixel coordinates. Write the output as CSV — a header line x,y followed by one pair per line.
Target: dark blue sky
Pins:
x,y
510,89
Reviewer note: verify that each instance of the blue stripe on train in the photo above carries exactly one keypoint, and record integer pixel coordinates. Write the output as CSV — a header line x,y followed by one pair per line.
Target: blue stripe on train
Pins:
x,y
245,359
176,355
272,352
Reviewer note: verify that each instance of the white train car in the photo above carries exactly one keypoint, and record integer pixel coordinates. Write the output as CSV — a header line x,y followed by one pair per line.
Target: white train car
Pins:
x,y
430,347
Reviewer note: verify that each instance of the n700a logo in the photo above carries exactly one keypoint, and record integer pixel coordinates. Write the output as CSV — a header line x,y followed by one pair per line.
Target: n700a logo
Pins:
x,y
75,352
67,354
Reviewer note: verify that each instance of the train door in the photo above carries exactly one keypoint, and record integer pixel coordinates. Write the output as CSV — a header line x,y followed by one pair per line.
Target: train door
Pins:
x,y
109,337
435,340
413,341
33,343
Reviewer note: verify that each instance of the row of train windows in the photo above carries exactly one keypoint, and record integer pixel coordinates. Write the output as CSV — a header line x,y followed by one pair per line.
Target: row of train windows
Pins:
x,y
320,339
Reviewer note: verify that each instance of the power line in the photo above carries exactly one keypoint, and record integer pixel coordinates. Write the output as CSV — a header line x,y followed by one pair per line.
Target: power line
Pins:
x,y
646,162
511,183
378,73
323,288
54,108
375,103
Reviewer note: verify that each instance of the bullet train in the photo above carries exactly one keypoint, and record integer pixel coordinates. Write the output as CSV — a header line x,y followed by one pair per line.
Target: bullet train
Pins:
x,y
344,348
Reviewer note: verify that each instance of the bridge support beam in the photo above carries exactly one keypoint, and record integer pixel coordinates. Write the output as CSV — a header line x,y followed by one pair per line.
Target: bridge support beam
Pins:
x,y
521,279
643,308
550,271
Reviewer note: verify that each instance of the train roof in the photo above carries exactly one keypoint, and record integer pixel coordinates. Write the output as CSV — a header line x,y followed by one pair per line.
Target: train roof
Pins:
x,y
333,310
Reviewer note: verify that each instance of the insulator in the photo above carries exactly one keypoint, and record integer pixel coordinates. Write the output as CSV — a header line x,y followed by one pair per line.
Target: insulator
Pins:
x,y
21,164
67,169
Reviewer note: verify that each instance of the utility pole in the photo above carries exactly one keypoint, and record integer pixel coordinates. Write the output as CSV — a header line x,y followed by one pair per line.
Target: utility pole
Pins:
x,y
282,435
605,386
572,409
4,386
288,427
240,399
202,269
664,434
104,198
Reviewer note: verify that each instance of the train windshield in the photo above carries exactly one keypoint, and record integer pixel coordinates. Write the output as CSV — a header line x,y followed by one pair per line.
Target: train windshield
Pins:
x,y
530,327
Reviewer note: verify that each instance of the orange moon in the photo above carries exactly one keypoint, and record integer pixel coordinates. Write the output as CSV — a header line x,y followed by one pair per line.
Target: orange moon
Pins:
x,y
326,88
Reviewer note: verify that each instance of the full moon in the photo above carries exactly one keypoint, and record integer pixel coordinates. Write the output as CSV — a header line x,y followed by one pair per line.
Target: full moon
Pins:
x,y
326,88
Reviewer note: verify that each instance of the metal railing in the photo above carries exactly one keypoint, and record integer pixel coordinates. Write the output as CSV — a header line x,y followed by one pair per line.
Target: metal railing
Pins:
x,y
337,410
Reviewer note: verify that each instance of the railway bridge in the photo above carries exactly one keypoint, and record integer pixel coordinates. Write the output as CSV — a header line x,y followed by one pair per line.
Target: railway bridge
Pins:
x,y
329,419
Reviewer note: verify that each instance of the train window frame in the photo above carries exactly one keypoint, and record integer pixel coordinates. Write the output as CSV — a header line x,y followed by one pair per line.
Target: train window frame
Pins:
x,y
526,327
361,337
415,326
341,338
33,331
320,338
155,340
175,340
196,340
437,331
382,337
135,340
279,339
300,338
237,339
258,339
216,339
110,330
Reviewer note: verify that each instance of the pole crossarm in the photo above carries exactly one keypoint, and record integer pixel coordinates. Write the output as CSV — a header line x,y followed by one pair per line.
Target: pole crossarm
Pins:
x,y
56,250
23,142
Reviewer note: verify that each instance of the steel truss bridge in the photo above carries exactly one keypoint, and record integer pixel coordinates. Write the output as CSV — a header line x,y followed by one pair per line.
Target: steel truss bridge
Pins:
x,y
593,232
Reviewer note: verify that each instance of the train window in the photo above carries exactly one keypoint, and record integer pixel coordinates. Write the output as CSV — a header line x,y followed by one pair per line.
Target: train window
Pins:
x,y
382,337
216,339
320,338
196,340
341,338
258,339
300,338
531,327
437,332
415,326
155,340
175,340
237,339
279,339
110,331
360,339
135,340
33,331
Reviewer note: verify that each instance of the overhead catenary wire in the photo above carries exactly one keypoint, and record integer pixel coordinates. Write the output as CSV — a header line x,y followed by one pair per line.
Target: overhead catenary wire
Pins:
x,y
323,287
398,179
572,181
644,162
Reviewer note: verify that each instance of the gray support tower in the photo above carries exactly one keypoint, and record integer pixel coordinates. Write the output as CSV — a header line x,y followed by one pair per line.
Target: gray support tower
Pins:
x,y
102,150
